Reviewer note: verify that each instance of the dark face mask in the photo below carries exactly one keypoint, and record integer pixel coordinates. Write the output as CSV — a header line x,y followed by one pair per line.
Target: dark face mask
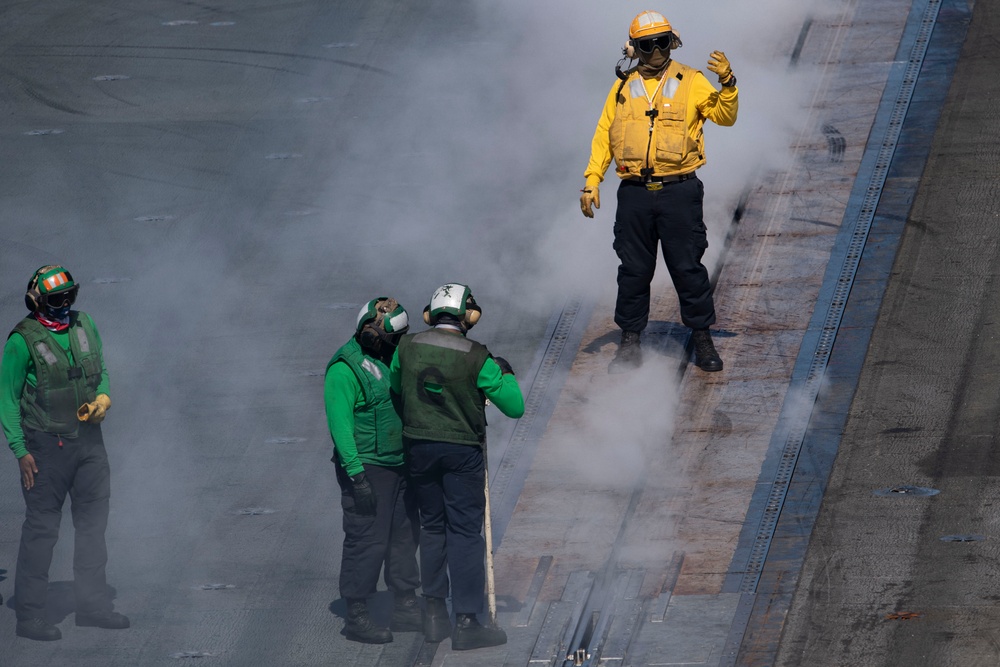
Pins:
x,y
57,314
655,60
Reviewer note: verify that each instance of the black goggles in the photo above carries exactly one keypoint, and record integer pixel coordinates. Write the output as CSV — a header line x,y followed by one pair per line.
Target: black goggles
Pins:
x,y
61,299
662,42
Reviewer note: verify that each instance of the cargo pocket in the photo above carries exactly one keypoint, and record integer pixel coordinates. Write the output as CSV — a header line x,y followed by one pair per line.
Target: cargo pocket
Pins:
x,y
671,133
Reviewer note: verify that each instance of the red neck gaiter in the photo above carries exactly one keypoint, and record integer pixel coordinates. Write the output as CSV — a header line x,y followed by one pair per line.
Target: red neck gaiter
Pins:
x,y
52,325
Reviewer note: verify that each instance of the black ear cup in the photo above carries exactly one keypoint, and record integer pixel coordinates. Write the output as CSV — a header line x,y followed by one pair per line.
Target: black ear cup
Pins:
x,y
33,296
427,316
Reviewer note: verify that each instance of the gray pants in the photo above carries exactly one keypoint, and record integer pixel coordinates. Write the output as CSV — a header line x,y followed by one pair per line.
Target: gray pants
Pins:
x,y
79,468
390,537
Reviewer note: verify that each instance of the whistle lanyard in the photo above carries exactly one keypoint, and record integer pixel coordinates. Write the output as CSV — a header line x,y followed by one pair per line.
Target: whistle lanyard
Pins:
x,y
647,171
651,99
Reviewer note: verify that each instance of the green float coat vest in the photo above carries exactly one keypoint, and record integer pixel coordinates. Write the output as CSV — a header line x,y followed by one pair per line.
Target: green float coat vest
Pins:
x,y
62,385
377,427
438,376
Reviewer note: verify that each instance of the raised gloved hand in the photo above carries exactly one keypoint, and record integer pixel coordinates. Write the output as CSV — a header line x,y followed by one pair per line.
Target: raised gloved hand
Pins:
x,y
591,197
505,367
364,495
93,413
719,64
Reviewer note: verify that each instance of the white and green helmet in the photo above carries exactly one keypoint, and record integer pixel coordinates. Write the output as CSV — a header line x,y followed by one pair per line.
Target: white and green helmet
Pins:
x,y
456,300
384,314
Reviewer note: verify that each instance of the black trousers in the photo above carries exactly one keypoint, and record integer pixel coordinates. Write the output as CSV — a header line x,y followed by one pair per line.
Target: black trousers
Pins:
x,y
671,218
449,481
390,537
78,467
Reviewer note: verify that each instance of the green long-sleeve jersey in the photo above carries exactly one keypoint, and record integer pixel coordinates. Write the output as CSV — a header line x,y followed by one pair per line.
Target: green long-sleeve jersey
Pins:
x,y
16,369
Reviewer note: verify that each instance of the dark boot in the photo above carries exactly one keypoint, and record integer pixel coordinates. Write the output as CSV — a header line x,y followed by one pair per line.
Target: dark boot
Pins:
x,y
109,620
37,629
437,624
705,356
361,628
629,355
407,616
470,634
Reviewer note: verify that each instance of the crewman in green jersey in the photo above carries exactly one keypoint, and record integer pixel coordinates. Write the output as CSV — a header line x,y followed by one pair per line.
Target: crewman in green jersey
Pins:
x,y
444,379
53,398
380,522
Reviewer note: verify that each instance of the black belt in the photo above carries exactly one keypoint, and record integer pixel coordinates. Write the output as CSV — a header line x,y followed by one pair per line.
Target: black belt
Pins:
x,y
657,182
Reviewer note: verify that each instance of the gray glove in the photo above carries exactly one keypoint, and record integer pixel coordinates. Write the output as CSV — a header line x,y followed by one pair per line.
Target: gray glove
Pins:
x,y
364,495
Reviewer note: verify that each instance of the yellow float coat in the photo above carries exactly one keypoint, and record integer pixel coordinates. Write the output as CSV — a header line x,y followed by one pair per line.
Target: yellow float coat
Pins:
x,y
684,100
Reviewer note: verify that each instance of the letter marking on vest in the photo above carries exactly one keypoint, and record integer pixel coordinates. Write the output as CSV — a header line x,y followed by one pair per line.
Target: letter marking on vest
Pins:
x,y
434,376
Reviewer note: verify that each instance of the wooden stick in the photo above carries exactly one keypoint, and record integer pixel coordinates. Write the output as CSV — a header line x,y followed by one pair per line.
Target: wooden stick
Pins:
x,y
491,594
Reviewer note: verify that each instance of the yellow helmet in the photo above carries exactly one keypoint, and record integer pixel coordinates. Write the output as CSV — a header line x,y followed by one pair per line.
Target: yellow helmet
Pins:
x,y
650,30
648,24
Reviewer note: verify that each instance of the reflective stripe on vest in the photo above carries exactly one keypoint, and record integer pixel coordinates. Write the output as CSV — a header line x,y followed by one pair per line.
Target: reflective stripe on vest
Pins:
x,y
46,353
670,149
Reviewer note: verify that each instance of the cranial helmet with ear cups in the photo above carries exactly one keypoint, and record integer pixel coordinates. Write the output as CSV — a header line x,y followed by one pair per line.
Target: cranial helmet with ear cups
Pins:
x,y
49,280
453,299
381,320
647,25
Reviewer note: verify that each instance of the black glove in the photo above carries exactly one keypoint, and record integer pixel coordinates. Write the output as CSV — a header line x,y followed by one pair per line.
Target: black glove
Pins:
x,y
505,367
364,495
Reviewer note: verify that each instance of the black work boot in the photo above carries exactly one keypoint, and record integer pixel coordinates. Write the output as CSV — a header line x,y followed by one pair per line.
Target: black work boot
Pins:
x,y
437,624
361,628
406,613
629,355
470,634
109,620
38,629
705,356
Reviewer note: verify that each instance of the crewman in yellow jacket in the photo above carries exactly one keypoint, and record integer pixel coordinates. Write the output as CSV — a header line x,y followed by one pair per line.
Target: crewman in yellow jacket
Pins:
x,y
652,125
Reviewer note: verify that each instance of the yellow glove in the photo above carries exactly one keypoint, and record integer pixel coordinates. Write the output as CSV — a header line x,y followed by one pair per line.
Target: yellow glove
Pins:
x,y
591,197
719,64
93,413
